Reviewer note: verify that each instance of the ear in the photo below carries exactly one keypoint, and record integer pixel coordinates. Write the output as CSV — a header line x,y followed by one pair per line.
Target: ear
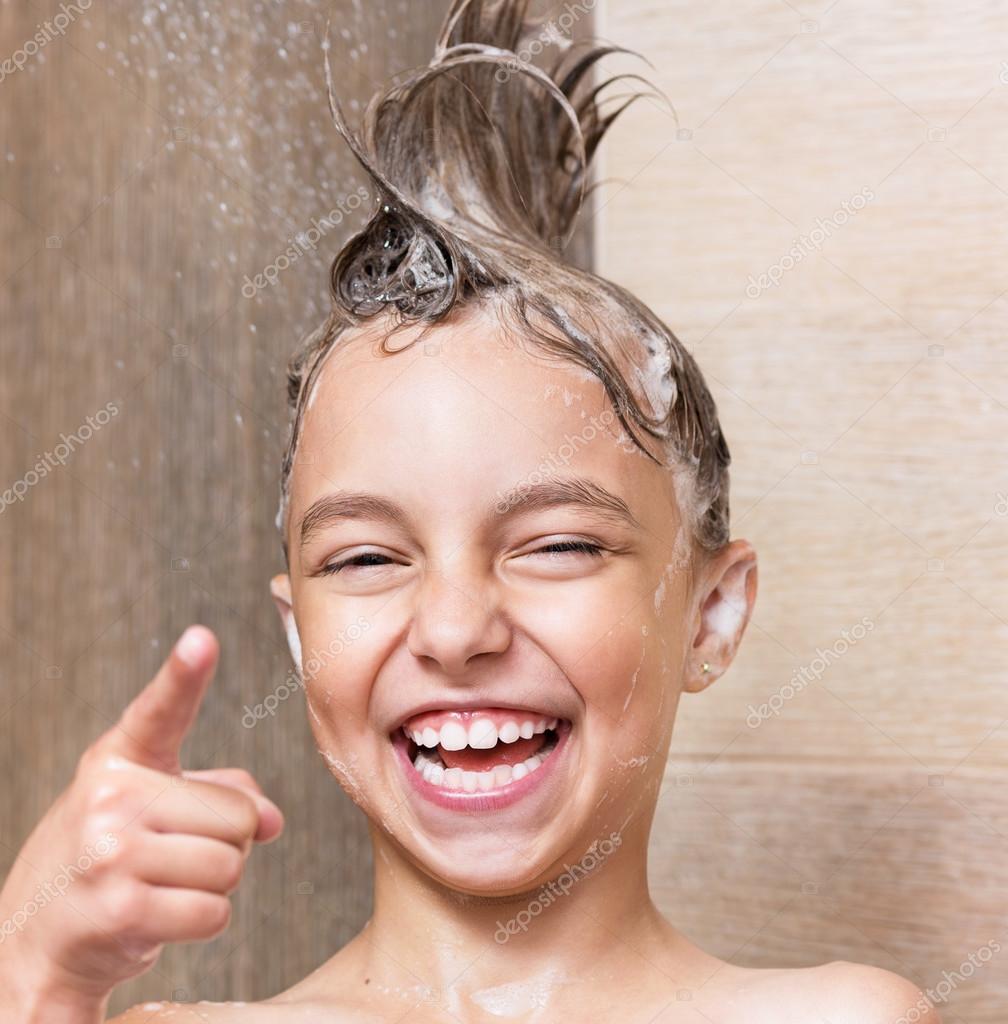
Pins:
x,y
726,598
280,588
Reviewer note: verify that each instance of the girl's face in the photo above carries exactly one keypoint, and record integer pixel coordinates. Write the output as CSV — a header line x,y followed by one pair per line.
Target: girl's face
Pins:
x,y
476,545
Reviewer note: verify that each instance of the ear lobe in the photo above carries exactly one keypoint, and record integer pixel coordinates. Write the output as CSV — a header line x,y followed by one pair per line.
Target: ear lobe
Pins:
x,y
281,590
723,615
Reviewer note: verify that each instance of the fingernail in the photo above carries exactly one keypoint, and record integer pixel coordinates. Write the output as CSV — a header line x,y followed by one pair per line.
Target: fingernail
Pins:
x,y
190,647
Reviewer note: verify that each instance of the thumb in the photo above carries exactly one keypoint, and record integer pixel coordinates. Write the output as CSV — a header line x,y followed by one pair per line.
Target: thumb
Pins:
x,y
154,724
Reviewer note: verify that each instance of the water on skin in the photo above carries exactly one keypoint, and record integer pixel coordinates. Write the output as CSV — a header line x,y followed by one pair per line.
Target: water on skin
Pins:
x,y
568,396
633,681
313,712
516,998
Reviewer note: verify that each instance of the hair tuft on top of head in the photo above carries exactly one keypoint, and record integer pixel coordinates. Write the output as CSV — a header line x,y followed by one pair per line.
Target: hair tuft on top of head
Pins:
x,y
479,163
474,157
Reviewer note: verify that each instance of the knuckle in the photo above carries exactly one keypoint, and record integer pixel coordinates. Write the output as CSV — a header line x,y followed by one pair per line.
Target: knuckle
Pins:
x,y
249,819
242,814
245,778
103,829
142,955
107,792
214,917
124,906
231,869
109,849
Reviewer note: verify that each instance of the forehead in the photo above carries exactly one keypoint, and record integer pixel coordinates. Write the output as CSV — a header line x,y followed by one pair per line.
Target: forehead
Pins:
x,y
463,413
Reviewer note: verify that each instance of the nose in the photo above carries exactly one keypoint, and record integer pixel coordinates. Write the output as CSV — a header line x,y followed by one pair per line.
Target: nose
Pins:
x,y
457,617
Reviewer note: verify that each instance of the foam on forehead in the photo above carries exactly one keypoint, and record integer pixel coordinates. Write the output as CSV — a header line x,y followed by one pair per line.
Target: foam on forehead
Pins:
x,y
642,355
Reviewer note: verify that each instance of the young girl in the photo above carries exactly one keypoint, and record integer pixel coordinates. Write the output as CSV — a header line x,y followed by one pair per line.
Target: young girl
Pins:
x,y
505,516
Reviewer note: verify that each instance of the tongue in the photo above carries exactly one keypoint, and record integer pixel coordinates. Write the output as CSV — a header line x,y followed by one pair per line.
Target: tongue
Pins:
x,y
471,760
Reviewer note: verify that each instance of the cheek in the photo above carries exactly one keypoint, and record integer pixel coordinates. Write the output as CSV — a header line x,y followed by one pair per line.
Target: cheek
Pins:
x,y
620,677
631,681
338,668
337,658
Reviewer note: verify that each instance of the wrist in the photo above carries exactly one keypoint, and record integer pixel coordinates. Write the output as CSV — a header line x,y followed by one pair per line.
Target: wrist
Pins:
x,y
57,1007
42,1000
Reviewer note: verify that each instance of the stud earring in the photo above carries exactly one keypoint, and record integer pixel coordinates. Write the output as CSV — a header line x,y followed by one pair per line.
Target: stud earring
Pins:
x,y
705,667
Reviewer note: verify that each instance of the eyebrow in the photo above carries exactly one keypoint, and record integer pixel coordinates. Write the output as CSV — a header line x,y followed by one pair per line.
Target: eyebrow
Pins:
x,y
579,492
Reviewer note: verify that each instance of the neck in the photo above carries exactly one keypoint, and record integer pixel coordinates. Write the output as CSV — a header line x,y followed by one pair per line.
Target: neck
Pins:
x,y
431,945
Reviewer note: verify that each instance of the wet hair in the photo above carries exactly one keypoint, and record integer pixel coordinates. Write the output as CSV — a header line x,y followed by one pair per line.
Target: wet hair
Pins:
x,y
479,164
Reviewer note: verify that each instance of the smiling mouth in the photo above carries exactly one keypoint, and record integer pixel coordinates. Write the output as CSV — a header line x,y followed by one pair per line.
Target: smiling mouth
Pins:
x,y
479,751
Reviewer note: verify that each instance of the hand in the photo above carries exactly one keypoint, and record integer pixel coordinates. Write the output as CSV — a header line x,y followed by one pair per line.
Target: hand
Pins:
x,y
135,853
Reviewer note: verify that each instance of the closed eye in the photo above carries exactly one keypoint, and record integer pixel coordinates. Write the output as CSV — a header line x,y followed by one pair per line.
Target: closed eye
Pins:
x,y
373,559
580,546
368,559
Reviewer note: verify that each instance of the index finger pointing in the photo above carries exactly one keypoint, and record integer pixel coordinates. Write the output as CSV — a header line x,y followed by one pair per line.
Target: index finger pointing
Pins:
x,y
154,724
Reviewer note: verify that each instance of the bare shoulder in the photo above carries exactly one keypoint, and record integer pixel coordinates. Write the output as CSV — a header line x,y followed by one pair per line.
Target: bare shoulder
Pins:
x,y
840,992
862,994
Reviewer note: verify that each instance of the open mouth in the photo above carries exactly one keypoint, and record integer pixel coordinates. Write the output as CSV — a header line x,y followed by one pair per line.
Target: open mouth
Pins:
x,y
478,751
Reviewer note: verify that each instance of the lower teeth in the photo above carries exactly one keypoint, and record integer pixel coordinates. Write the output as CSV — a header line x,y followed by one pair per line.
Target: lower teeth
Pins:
x,y
435,772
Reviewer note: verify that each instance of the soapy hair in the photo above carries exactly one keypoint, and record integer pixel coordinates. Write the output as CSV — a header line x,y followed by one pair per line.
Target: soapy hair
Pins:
x,y
479,162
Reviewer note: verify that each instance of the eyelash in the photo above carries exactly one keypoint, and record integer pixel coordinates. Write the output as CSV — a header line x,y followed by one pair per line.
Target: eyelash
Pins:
x,y
579,546
583,546
335,567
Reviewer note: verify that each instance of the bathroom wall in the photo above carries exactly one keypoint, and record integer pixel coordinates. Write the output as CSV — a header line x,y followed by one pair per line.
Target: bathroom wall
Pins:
x,y
154,159
822,221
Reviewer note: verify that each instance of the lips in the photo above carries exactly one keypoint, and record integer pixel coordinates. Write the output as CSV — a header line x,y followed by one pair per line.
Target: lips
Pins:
x,y
493,752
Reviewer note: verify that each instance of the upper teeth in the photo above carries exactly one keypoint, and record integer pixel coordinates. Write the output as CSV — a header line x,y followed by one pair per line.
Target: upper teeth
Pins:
x,y
481,734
